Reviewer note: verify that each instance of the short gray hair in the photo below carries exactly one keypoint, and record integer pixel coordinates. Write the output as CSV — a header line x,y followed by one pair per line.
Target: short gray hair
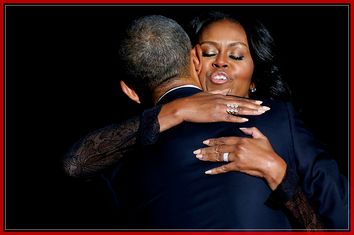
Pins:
x,y
155,50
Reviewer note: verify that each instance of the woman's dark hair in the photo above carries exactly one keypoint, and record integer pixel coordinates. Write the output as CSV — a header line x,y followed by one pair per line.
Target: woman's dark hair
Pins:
x,y
266,76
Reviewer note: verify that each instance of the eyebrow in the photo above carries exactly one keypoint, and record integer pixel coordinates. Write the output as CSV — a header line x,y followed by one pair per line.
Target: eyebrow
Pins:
x,y
230,45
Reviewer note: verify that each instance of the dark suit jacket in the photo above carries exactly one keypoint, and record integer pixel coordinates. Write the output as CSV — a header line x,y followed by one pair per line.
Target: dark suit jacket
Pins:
x,y
168,188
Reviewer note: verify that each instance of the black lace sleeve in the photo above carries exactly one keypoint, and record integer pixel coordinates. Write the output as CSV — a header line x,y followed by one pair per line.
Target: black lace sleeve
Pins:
x,y
303,213
102,148
149,129
290,196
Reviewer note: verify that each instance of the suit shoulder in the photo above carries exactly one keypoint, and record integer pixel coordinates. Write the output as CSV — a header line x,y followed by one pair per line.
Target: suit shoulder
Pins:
x,y
279,105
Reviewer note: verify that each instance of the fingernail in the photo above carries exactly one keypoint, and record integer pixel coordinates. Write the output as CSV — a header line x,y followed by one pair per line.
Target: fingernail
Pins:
x,y
206,142
196,151
208,172
258,102
266,108
243,128
244,119
199,156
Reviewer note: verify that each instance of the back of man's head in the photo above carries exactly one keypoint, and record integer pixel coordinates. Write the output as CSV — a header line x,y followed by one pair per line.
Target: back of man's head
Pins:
x,y
154,50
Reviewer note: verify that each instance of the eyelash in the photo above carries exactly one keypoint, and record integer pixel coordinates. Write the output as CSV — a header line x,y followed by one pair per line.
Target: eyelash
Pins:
x,y
231,56
236,57
208,55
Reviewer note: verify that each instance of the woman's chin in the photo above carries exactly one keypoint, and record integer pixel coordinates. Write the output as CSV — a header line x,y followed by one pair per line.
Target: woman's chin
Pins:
x,y
214,87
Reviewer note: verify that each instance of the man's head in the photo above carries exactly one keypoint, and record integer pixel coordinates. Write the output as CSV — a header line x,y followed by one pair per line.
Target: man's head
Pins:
x,y
155,51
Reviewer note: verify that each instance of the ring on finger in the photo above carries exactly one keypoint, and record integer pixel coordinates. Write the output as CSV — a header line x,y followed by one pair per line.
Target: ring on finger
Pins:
x,y
226,157
232,109
233,106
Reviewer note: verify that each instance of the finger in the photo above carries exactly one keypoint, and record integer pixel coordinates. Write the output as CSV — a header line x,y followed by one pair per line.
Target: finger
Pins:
x,y
214,149
213,156
219,170
232,167
220,97
210,157
232,140
216,153
232,118
253,131
242,110
245,102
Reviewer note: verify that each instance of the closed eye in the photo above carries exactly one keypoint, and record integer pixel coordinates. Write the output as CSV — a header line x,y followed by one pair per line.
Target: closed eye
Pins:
x,y
208,54
236,57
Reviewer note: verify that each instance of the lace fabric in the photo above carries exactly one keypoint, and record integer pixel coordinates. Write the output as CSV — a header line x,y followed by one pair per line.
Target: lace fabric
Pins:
x,y
302,212
102,148
289,195
149,129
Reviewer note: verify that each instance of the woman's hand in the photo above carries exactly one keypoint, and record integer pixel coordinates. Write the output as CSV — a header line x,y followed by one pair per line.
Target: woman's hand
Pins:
x,y
208,107
254,156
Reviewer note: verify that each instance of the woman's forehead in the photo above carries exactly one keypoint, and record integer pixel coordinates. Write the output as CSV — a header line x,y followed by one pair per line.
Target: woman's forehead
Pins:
x,y
224,30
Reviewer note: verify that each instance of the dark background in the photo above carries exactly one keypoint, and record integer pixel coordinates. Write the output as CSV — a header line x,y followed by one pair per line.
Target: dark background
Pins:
x,y
62,81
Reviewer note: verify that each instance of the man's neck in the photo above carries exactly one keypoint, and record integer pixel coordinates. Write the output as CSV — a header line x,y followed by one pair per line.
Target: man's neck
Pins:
x,y
178,82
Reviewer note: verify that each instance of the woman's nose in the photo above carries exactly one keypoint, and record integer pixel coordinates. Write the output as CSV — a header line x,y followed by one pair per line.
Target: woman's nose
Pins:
x,y
220,62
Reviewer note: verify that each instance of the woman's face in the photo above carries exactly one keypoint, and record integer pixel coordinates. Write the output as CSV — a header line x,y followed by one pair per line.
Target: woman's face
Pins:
x,y
226,62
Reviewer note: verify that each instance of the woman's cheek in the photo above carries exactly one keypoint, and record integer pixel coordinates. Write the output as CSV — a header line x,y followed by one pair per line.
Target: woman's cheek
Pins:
x,y
246,71
202,79
203,73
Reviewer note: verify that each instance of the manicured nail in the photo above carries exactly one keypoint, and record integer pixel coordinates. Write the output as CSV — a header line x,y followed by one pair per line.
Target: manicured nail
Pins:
x,y
206,142
199,156
196,151
208,172
266,108
244,119
258,102
243,128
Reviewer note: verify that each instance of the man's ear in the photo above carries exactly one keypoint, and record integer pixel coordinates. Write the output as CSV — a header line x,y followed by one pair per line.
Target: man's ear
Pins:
x,y
129,92
196,57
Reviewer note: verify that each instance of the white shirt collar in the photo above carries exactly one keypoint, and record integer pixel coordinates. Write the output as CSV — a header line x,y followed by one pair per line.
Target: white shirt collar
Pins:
x,y
175,88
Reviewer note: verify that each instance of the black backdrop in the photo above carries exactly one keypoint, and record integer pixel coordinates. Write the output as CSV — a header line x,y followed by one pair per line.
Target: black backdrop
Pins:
x,y
61,82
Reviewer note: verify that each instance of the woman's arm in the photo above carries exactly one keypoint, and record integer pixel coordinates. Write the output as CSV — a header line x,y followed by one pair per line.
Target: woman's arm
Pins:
x,y
289,195
255,156
321,181
206,107
101,149
104,147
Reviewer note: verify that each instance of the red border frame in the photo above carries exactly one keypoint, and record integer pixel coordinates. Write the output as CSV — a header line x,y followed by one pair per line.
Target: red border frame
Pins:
x,y
2,17
174,1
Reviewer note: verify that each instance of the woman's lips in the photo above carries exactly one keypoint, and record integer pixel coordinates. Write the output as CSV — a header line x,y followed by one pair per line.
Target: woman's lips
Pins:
x,y
219,77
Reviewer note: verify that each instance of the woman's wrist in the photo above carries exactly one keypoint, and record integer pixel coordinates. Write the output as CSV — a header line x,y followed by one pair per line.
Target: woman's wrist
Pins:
x,y
275,172
170,115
